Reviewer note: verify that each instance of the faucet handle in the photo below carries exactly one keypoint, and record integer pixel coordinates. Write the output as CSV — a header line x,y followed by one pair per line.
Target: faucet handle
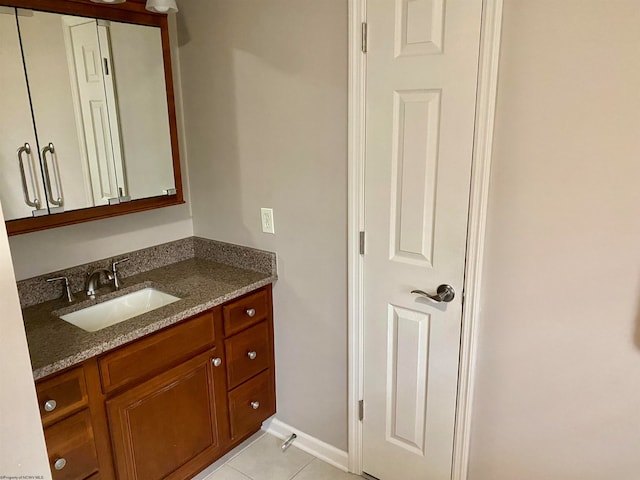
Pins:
x,y
67,288
115,263
116,279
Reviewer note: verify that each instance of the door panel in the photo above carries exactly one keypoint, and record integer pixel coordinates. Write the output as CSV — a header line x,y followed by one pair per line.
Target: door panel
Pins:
x,y
421,84
17,129
52,98
419,27
414,166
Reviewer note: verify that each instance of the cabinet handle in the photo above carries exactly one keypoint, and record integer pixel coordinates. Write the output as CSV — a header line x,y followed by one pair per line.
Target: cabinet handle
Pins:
x,y
252,355
26,148
216,361
255,405
251,312
59,464
56,175
50,405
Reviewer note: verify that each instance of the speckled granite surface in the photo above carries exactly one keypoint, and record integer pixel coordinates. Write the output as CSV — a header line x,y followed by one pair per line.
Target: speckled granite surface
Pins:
x,y
203,273
235,255
201,284
36,290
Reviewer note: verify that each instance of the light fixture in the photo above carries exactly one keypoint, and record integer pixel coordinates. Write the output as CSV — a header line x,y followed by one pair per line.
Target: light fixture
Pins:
x,y
109,1
162,6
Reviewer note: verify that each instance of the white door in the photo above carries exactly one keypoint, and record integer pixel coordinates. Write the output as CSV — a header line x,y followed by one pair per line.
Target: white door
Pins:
x,y
422,65
92,99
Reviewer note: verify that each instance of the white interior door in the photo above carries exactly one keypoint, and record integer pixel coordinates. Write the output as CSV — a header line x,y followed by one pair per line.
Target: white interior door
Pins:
x,y
422,64
112,107
84,54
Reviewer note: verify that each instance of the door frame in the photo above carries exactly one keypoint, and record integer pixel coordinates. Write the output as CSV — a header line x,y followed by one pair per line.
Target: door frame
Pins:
x,y
478,204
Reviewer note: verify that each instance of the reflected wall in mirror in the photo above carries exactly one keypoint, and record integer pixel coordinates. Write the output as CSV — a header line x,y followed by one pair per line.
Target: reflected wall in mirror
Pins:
x,y
85,118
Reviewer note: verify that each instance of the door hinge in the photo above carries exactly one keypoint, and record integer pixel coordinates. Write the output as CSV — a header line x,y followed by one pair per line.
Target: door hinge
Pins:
x,y
364,37
361,410
361,243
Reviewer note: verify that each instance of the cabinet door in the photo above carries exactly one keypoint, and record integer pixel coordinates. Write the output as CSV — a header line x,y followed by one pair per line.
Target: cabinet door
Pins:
x,y
71,447
64,66
21,191
171,426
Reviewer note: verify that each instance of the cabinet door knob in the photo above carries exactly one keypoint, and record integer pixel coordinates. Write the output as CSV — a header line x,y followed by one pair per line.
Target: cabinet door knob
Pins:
x,y
252,355
251,312
59,464
216,361
255,405
50,405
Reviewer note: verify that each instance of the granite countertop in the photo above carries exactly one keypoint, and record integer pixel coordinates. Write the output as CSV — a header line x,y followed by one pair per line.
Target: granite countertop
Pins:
x,y
199,283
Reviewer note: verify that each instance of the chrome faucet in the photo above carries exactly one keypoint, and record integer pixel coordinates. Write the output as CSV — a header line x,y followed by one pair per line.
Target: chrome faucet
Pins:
x,y
93,280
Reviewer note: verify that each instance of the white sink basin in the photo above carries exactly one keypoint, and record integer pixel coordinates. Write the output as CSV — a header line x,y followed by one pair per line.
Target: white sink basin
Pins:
x,y
102,315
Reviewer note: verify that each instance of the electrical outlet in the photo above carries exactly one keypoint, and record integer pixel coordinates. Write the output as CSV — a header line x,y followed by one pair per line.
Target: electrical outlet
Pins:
x,y
267,220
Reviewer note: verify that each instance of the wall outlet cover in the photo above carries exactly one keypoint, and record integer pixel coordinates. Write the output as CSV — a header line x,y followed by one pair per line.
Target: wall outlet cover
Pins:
x,y
266,214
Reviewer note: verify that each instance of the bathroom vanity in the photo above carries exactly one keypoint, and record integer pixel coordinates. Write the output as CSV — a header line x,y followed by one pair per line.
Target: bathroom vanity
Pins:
x,y
90,132
166,393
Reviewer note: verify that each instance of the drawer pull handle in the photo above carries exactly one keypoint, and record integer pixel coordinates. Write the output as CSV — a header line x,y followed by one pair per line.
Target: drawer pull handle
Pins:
x,y
216,361
252,355
255,405
59,464
251,312
50,405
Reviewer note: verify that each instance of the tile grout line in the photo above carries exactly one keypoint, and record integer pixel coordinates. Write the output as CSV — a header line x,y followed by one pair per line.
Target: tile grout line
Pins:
x,y
226,463
236,470
305,466
245,448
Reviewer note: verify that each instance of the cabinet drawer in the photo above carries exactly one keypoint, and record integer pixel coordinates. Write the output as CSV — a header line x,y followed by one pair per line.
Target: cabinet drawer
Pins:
x,y
247,353
61,395
252,403
240,314
157,352
71,449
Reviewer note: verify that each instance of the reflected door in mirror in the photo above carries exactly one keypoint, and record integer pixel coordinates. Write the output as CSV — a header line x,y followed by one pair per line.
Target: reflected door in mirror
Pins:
x,y
84,113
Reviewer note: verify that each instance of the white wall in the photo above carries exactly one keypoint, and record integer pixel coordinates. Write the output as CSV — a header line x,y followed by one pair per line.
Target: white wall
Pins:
x,y
558,381
50,250
142,106
22,448
265,86
41,252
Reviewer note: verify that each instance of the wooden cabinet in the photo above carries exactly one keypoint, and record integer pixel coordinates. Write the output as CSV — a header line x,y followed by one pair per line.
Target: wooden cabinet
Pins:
x,y
251,403
62,395
170,426
248,326
169,404
71,448
68,429
157,352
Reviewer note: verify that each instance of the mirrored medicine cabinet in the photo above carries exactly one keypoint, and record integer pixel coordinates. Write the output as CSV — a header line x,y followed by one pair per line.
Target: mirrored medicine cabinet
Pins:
x,y
87,116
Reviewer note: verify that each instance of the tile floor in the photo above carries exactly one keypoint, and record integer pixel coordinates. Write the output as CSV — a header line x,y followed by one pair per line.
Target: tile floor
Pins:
x,y
260,458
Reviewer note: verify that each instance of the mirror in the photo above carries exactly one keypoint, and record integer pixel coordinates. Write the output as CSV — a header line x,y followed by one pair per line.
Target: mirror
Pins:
x,y
88,129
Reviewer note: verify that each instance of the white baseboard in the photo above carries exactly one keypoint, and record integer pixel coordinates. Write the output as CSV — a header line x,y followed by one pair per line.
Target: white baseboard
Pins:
x,y
319,449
